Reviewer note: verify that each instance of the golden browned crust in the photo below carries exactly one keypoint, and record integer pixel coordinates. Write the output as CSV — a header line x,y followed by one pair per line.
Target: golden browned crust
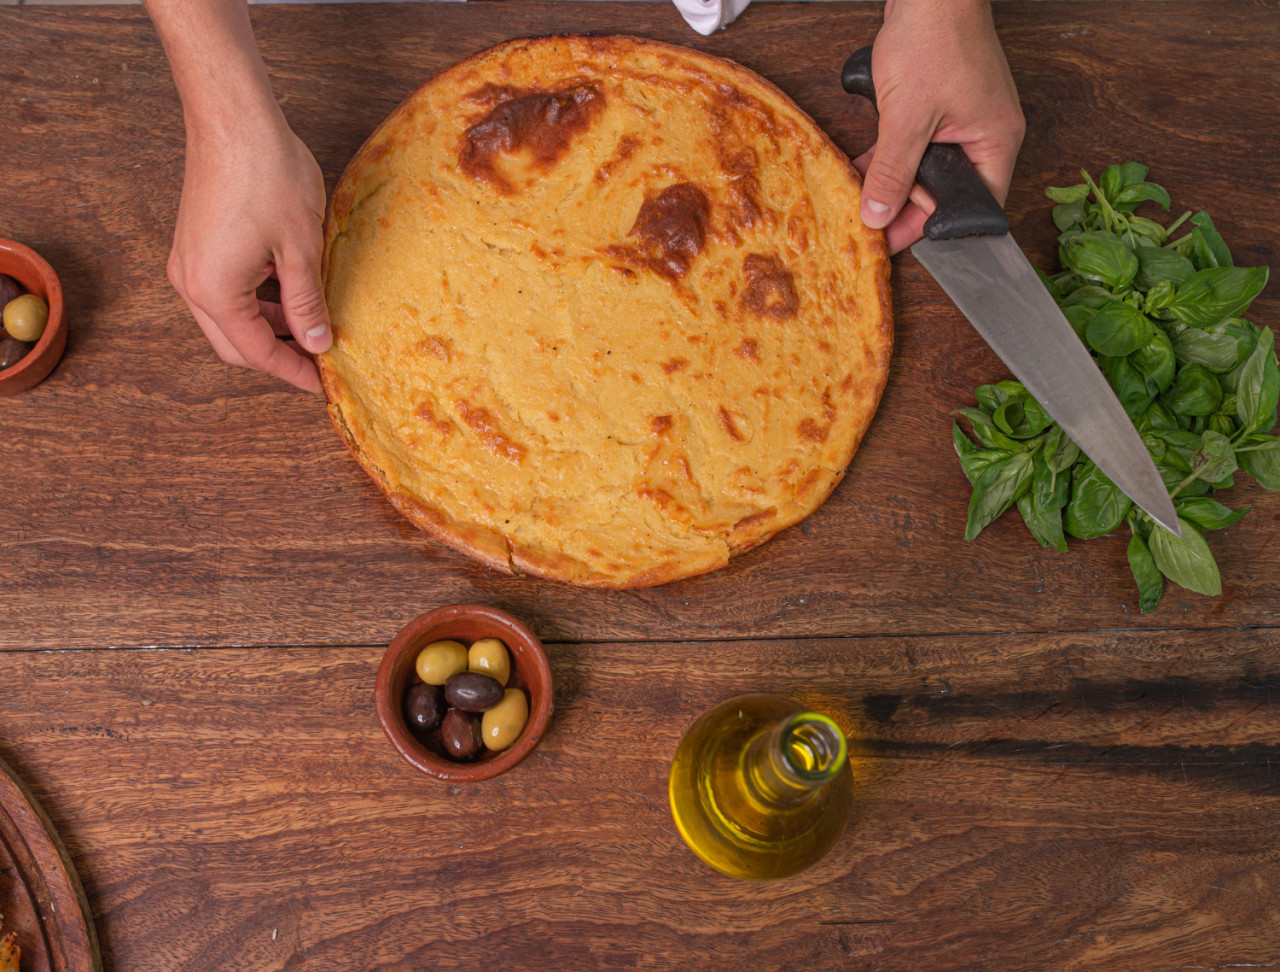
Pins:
x,y
604,310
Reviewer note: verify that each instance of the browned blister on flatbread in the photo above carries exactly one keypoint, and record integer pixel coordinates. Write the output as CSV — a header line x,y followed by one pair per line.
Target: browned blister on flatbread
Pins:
x,y
604,310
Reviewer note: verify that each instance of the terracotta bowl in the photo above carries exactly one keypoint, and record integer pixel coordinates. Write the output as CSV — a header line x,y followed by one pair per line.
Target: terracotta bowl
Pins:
x,y
36,277
465,623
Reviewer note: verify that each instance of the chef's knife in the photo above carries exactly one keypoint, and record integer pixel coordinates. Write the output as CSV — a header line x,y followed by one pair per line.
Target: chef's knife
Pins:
x,y
968,250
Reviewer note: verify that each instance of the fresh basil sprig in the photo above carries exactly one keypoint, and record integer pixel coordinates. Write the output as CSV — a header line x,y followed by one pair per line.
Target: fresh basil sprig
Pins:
x,y
1161,315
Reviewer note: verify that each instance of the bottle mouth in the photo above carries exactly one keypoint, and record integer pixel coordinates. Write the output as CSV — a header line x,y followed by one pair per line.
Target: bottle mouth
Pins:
x,y
813,746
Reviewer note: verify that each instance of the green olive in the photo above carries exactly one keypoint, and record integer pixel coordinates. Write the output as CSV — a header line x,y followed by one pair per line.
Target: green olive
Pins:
x,y
502,725
25,317
489,655
440,660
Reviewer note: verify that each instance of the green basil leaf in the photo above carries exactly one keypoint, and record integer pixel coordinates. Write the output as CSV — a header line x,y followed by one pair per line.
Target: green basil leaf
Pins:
x,y
1176,479
1116,178
1097,505
974,460
1145,573
995,489
1130,197
1111,181
1069,214
1128,383
1156,418
1195,391
1051,486
1034,418
1209,296
1258,389
1149,230
1021,418
1132,173
1155,445
1245,333
1215,459
1066,455
987,401
1156,361
1070,194
1206,513
1207,245
1045,525
1223,423
1052,442
1157,265
1065,281
1079,316
1260,458
1103,256
1159,297
1118,329
1090,295
963,445
1050,285
1212,347
991,397
986,431
1061,452
1008,417
1186,560
975,463
1181,447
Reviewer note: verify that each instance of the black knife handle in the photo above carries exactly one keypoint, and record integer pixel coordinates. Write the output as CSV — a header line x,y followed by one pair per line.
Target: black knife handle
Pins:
x,y
965,207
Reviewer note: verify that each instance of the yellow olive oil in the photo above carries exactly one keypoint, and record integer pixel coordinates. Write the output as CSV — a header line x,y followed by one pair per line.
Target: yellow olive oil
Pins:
x,y
760,787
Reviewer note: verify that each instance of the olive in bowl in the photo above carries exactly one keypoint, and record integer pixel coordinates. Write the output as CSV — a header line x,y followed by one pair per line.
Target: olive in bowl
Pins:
x,y
483,729
33,326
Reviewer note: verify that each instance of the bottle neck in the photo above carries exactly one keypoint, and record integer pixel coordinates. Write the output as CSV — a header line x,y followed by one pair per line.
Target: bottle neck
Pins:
x,y
787,762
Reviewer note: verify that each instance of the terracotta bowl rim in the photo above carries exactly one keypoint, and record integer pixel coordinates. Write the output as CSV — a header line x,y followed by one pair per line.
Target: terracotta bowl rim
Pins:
x,y
47,351
527,653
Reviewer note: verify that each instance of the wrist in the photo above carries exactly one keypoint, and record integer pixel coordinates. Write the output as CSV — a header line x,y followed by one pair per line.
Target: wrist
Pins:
x,y
951,9
217,70
231,114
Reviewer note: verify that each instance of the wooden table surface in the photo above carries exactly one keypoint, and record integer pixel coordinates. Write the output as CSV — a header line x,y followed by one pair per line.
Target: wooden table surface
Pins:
x,y
198,582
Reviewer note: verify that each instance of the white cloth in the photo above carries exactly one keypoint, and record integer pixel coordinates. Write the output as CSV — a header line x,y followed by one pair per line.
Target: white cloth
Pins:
x,y
708,16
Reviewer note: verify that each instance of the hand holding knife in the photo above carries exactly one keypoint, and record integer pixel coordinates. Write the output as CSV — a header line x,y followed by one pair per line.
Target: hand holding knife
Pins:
x,y
968,250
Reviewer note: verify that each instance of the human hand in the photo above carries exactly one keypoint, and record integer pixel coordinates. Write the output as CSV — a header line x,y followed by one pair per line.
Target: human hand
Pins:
x,y
252,207
940,75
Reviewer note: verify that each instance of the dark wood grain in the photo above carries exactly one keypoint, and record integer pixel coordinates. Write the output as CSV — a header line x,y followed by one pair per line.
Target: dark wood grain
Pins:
x,y
154,496
1068,801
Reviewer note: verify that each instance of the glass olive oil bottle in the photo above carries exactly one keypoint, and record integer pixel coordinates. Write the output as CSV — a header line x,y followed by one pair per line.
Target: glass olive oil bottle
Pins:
x,y
760,787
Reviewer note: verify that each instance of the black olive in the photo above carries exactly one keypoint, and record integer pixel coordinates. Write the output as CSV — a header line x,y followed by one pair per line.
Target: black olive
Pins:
x,y
461,734
473,691
423,707
12,351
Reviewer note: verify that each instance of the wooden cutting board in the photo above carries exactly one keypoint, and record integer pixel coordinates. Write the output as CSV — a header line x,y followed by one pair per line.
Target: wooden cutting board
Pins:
x,y
40,895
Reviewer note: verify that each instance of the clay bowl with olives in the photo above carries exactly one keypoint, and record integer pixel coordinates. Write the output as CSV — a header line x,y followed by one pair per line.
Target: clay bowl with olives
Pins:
x,y
464,692
34,330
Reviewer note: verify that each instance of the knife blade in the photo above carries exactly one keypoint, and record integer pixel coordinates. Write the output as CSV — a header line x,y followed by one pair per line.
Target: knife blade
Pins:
x,y
990,280
969,251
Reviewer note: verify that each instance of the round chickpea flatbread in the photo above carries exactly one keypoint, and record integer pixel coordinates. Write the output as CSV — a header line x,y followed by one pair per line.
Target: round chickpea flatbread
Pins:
x,y
604,310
